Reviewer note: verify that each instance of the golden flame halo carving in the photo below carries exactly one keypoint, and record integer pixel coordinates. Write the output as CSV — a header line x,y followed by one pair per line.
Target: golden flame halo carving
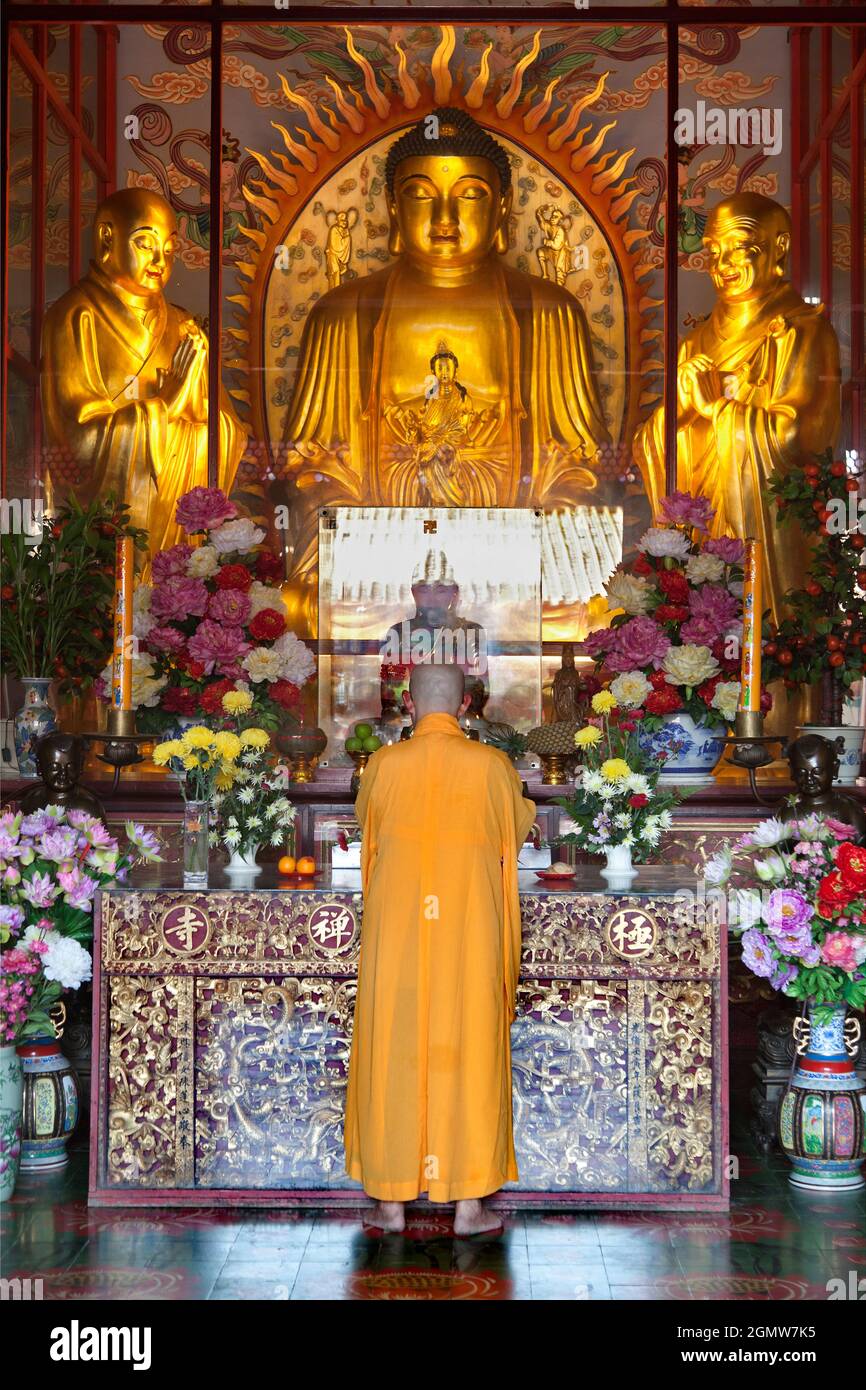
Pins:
x,y
549,133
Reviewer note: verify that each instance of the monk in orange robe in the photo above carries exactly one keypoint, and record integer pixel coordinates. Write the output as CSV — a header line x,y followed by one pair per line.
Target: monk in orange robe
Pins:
x,y
429,1096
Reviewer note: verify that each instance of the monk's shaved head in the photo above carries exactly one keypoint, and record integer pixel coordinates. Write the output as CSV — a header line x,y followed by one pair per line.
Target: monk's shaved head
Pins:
x,y
132,207
753,208
436,689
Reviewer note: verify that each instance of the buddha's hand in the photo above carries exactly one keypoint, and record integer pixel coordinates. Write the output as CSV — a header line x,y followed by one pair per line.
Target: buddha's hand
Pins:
x,y
699,385
183,373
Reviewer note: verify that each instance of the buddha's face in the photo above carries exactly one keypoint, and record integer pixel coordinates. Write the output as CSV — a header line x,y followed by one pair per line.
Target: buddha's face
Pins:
x,y
434,596
448,209
814,772
444,370
745,255
138,249
59,764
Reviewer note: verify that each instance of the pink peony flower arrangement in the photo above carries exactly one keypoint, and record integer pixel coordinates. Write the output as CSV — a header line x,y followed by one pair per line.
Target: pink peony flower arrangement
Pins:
x,y
213,620
796,894
675,644
53,863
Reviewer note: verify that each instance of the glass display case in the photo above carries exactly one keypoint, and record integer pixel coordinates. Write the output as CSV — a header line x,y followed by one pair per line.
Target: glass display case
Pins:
x,y
399,586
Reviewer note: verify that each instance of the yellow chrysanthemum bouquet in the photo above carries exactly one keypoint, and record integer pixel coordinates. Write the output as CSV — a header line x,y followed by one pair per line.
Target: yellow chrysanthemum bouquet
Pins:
x,y
616,799
233,792
202,760
208,761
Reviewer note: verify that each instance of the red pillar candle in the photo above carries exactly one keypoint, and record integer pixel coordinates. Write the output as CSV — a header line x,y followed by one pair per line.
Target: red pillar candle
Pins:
x,y
121,666
753,607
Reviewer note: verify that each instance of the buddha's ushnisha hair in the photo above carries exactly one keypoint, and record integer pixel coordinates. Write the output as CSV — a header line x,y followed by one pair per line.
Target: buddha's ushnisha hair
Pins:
x,y
459,133
443,350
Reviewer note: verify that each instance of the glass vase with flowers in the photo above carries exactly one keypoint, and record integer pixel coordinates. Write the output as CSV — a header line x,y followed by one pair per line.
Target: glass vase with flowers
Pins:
x,y
205,762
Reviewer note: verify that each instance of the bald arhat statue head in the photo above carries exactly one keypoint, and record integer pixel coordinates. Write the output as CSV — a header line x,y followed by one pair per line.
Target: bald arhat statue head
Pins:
x,y
135,240
436,689
747,238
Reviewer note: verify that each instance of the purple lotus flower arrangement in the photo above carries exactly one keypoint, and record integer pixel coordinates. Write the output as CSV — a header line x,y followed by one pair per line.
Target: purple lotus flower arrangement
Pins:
x,y
52,865
797,894
214,621
668,650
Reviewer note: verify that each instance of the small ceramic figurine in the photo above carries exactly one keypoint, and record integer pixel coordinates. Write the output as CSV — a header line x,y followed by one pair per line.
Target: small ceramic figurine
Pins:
x,y
60,760
814,763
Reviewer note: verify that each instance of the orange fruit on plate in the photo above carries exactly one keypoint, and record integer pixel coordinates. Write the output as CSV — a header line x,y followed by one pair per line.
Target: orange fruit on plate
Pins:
x,y
287,864
306,865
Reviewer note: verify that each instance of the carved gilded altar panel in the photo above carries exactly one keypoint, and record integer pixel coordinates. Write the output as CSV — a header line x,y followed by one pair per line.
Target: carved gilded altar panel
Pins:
x,y
149,1130
225,1032
569,1059
681,1124
271,1064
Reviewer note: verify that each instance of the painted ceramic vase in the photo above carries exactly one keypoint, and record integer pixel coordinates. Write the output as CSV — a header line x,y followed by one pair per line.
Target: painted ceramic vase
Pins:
x,y
691,750
51,1104
822,1116
11,1096
33,719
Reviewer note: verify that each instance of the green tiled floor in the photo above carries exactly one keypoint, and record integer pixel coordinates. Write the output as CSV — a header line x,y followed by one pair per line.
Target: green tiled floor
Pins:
x,y
775,1244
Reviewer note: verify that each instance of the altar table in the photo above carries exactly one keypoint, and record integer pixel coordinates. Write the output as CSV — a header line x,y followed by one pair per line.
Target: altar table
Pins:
x,y
222,1027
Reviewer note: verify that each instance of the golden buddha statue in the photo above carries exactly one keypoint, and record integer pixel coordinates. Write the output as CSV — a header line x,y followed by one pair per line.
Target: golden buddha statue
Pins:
x,y
125,373
757,389
449,439
378,414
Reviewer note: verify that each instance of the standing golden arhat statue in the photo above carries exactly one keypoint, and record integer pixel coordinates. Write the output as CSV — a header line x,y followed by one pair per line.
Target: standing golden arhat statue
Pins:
x,y
757,389
125,374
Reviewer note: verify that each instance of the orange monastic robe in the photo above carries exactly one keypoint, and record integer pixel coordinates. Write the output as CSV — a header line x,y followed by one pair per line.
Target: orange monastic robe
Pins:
x,y
428,1107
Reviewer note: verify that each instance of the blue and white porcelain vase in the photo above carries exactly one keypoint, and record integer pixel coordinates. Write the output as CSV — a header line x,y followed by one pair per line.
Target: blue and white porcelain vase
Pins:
x,y
822,1116
32,720
850,752
691,749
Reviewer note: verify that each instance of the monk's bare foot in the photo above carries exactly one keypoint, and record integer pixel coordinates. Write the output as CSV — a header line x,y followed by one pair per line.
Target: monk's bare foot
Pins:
x,y
471,1218
387,1216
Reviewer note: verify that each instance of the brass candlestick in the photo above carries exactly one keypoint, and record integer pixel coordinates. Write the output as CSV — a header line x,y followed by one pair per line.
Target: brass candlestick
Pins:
x,y
360,760
750,747
120,742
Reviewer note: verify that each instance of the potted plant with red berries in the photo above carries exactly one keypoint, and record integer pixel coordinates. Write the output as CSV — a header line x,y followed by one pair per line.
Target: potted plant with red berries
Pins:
x,y
822,640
